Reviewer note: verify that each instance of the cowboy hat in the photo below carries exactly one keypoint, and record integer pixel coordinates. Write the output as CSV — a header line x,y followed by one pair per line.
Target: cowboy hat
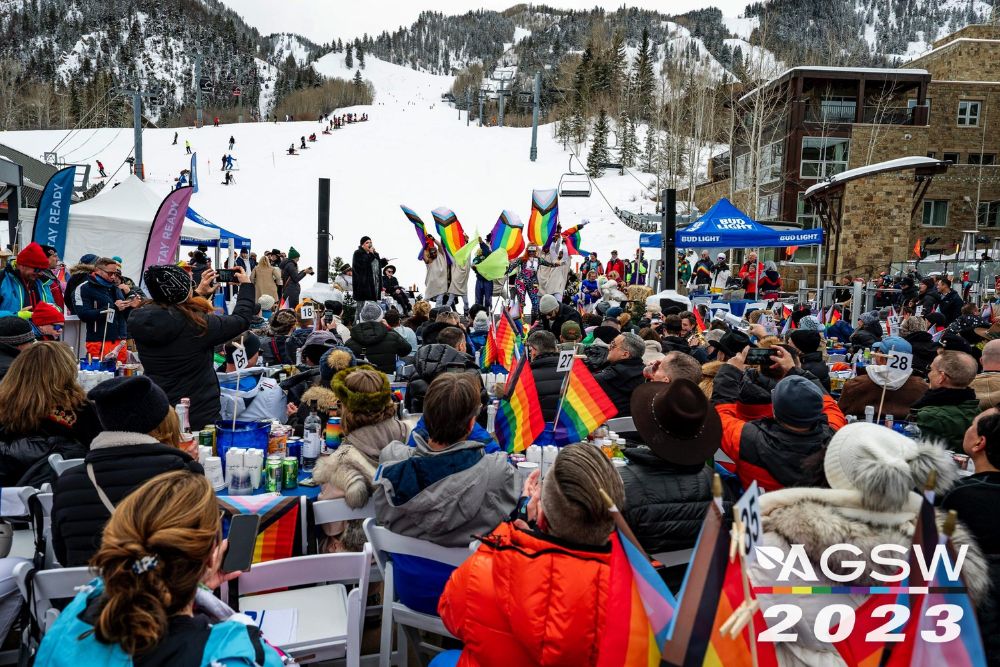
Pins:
x,y
989,334
676,421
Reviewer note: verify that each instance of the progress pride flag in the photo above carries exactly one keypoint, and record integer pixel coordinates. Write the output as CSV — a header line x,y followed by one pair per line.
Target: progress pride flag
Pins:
x,y
165,234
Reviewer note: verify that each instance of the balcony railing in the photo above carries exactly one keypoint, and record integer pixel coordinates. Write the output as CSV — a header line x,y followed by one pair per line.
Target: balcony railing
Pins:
x,y
888,115
846,113
832,112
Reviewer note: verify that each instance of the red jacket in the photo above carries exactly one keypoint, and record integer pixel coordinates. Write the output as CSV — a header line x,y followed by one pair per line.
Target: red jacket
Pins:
x,y
525,599
751,273
615,265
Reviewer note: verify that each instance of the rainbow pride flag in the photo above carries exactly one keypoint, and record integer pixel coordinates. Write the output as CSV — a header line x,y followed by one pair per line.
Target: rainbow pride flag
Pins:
x,y
508,234
519,420
584,407
639,610
724,650
508,341
571,237
699,320
833,317
544,217
418,225
488,356
449,229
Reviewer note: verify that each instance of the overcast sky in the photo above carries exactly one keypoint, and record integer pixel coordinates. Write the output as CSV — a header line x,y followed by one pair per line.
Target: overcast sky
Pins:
x,y
323,20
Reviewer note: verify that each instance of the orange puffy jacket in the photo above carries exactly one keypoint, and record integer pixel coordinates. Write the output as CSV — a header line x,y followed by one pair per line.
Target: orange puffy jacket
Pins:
x,y
525,598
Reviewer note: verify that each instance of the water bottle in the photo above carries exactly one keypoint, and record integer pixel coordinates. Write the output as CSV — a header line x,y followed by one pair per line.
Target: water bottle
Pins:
x,y
183,409
911,430
870,413
311,440
491,417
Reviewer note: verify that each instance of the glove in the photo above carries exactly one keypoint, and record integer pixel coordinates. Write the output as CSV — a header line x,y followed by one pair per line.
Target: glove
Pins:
x,y
24,314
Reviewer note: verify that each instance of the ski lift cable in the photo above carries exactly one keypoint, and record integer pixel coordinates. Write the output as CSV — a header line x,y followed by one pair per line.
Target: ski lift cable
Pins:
x,y
76,128
638,180
104,148
594,184
110,100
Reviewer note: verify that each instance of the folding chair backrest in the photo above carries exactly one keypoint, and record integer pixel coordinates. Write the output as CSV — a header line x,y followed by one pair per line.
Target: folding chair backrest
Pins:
x,y
345,567
43,502
673,558
46,587
61,465
385,543
329,511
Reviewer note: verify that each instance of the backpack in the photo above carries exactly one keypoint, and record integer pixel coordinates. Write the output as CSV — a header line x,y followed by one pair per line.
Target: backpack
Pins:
x,y
71,641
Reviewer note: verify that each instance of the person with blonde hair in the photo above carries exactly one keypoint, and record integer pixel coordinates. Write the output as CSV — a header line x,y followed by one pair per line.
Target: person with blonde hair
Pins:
x,y
43,411
265,279
566,539
140,440
162,543
369,423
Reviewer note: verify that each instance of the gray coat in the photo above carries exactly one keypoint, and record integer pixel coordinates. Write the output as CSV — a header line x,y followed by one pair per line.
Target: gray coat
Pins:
x,y
450,511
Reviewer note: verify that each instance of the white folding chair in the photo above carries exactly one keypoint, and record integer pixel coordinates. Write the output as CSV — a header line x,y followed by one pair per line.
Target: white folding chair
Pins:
x,y
329,619
61,465
331,511
621,425
722,457
47,586
45,501
673,558
385,544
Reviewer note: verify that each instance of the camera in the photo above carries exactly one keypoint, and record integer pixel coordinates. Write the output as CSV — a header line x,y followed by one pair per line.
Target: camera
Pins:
x,y
225,275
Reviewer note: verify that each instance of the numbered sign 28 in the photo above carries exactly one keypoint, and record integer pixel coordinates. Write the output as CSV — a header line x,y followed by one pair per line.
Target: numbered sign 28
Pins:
x,y
900,361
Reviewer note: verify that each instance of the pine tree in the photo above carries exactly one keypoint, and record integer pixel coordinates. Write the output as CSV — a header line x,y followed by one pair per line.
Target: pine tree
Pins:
x,y
361,57
643,80
599,148
358,81
619,63
628,147
564,131
649,151
578,124
349,58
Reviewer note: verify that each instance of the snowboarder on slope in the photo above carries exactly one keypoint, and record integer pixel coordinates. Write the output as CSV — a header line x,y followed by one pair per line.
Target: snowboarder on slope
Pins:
x,y
100,168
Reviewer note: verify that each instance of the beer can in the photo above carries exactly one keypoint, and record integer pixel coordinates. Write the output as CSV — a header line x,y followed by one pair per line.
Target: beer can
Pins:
x,y
294,449
290,472
273,474
206,437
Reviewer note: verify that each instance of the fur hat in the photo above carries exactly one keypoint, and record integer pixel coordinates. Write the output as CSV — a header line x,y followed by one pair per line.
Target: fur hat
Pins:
x,y
357,401
333,361
282,322
913,324
884,466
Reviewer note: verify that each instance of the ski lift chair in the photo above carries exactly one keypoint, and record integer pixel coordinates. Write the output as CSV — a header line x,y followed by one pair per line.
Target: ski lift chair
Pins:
x,y
574,184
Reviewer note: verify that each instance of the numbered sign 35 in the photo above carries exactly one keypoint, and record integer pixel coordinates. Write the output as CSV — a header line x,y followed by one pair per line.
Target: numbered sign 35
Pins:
x,y
749,513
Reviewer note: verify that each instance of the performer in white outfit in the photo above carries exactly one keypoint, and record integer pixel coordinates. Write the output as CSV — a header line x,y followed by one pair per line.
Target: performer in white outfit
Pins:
x,y
436,282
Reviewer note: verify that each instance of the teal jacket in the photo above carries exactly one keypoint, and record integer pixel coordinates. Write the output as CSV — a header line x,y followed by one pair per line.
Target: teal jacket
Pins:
x,y
13,296
70,642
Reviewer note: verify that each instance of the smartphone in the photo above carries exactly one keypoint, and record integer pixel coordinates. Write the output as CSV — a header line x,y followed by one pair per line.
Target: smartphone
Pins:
x,y
242,538
225,275
758,356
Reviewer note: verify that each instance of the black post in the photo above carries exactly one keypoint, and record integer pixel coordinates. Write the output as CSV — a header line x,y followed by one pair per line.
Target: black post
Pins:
x,y
668,230
323,233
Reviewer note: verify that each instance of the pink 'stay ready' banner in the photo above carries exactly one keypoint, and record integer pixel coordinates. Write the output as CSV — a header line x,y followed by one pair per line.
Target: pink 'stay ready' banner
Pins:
x,y
165,234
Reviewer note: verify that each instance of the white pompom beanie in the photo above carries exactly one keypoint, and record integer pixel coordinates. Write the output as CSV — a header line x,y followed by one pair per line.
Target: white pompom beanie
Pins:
x,y
884,466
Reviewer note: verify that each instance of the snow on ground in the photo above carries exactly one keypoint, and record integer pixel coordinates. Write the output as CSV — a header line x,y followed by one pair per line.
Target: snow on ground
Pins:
x,y
286,45
521,33
740,26
761,59
413,150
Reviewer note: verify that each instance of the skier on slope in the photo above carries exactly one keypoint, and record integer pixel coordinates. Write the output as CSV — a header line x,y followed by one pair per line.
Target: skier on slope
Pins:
x,y
232,142
175,139
100,168
187,146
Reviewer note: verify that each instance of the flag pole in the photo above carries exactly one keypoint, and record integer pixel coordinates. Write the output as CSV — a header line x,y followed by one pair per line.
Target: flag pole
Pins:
x,y
881,401
621,524
743,615
562,394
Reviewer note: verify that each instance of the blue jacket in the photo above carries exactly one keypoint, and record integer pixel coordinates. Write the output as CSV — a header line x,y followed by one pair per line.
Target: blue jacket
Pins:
x,y
89,303
479,434
13,296
840,330
70,642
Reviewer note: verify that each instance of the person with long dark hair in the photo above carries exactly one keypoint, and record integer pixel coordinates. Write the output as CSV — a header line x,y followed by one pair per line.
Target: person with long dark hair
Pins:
x,y
177,331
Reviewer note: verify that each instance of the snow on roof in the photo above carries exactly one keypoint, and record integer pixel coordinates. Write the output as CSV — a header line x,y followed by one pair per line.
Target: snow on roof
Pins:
x,y
852,70
900,163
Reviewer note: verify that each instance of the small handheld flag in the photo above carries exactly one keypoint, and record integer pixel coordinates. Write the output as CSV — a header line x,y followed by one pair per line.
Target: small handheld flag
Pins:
x,y
519,420
583,408
418,226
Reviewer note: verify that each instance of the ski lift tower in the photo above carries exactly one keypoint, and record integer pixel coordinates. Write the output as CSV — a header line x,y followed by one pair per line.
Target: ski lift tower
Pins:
x,y
503,77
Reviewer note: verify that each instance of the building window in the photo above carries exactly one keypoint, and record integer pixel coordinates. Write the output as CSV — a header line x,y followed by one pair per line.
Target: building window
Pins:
x,y
968,113
806,214
838,109
989,214
768,206
912,103
742,176
823,156
988,159
771,162
951,157
935,212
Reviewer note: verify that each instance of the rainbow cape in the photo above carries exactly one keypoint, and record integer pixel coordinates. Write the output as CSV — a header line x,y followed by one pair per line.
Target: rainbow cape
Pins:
x,y
571,237
418,226
544,217
449,229
519,420
583,408
508,234
639,610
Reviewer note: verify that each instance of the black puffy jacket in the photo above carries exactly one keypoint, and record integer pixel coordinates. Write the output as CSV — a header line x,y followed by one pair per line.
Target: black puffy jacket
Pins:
x,y
379,344
548,382
24,461
565,314
813,362
924,351
431,361
665,503
178,357
619,380
7,355
120,466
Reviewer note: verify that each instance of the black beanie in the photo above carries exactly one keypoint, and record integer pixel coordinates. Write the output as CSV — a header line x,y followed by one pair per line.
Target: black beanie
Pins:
x,y
364,239
167,283
14,331
130,404
805,340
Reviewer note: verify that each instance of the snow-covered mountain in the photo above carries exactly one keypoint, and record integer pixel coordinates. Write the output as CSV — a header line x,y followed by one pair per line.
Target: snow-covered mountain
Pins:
x,y
413,150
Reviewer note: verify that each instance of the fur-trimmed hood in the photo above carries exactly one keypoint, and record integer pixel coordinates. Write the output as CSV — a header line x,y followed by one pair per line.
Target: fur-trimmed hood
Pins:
x,y
325,399
817,518
348,472
81,269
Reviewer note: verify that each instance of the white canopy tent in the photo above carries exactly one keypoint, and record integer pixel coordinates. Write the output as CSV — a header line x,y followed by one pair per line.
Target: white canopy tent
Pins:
x,y
117,223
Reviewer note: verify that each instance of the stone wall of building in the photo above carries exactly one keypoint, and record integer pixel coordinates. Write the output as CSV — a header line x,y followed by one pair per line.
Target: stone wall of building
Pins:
x,y
974,31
